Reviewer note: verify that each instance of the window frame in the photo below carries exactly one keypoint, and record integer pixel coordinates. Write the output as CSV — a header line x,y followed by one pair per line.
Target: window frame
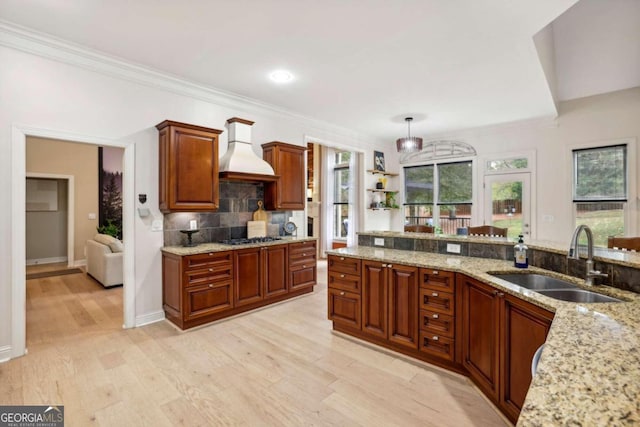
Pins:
x,y
336,169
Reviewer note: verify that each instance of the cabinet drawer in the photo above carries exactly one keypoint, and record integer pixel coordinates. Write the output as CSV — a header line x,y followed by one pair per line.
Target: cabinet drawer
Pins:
x,y
437,279
302,277
344,264
438,301
207,299
208,260
206,275
346,282
302,258
302,247
437,323
344,307
437,345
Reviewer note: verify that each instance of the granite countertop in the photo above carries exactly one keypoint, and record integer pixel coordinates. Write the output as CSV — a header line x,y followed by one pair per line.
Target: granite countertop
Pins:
x,y
219,247
589,372
627,258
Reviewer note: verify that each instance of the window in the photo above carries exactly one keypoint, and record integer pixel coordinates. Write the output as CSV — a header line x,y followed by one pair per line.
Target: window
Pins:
x,y
600,190
341,183
439,194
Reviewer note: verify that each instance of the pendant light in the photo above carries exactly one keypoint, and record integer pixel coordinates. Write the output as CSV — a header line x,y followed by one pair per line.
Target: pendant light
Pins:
x,y
409,144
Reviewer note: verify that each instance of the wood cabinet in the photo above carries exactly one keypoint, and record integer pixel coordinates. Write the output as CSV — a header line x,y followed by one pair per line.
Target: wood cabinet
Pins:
x,y
523,328
197,286
437,314
302,265
343,305
403,305
288,161
200,288
188,167
501,335
375,298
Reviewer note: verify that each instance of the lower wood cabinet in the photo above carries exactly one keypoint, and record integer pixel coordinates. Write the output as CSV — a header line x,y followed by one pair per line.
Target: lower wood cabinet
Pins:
x,y
501,334
200,288
302,265
444,318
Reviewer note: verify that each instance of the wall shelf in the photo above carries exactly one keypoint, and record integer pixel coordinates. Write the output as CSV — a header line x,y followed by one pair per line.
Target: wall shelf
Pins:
x,y
377,172
376,190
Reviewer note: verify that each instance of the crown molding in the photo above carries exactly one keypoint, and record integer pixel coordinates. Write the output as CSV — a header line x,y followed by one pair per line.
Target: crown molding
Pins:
x,y
36,43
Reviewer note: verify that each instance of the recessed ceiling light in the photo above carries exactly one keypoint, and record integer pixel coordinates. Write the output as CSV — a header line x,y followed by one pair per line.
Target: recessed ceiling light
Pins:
x,y
281,76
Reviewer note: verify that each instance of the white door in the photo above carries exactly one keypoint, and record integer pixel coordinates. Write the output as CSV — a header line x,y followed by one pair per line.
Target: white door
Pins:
x,y
507,202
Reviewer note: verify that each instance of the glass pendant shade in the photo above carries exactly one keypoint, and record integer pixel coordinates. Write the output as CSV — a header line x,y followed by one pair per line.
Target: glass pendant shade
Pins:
x,y
409,144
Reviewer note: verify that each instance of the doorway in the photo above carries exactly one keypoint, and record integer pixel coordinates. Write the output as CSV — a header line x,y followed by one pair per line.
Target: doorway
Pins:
x,y
507,202
18,220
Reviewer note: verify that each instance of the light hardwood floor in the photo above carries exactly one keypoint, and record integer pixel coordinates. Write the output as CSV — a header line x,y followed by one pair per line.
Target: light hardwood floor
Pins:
x,y
279,366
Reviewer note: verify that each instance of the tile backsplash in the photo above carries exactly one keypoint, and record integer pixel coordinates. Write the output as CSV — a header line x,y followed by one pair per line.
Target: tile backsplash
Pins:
x,y
238,201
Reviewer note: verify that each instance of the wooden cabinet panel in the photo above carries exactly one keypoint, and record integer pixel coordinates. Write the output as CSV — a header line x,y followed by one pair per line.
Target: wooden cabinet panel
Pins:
x,y
374,298
208,299
437,323
344,307
248,272
276,262
480,316
171,284
437,279
188,157
344,264
208,260
437,345
436,300
346,282
303,277
288,161
524,328
302,265
403,305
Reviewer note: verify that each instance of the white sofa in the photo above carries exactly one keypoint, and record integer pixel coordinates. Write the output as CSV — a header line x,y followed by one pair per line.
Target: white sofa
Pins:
x,y
104,260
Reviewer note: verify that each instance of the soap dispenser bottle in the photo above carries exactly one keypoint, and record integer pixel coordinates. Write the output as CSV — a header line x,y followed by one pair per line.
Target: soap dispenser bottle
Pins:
x,y
520,258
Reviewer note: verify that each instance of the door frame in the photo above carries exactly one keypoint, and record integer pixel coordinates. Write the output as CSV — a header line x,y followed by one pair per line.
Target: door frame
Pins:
x,y
19,135
70,210
526,195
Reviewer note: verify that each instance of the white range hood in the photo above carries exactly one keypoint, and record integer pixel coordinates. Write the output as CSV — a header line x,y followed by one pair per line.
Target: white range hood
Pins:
x,y
240,161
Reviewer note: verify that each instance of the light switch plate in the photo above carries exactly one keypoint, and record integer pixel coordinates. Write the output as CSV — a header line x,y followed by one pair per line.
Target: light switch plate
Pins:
x,y
93,216
156,225
453,248
378,241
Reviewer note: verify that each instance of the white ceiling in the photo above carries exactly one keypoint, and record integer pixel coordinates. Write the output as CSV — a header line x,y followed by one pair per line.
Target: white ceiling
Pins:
x,y
361,64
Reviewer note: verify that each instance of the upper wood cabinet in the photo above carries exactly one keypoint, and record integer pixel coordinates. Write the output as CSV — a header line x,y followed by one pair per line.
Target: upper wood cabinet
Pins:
x,y
288,162
188,170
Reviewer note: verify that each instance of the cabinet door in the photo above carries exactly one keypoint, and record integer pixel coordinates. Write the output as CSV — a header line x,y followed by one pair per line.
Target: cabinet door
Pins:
x,y
288,162
403,305
480,317
188,167
207,299
248,276
524,329
276,269
344,308
374,298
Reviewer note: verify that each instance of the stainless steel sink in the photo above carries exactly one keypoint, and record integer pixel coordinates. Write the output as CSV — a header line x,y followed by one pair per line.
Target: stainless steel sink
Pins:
x,y
536,282
577,295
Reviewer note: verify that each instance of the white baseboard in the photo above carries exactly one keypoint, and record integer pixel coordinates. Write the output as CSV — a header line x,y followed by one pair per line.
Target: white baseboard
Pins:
x,y
80,263
149,318
37,261
5,353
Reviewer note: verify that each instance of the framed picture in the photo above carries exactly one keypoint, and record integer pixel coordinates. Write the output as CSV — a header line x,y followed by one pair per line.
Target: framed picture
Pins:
x,y
378,161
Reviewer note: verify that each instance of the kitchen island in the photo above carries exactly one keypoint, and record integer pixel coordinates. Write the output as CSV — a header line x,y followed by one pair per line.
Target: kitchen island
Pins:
x,y
589,371
212,281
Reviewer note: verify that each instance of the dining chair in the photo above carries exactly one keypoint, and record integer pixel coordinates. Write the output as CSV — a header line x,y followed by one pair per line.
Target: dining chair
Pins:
x,y
624,243
487,230
419,228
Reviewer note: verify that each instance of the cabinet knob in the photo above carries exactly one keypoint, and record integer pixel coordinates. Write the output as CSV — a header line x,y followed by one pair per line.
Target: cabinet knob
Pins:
x,y
390,265
303,254
500,294
341,293
342,275
434,294
341,258
211,269
304,266
435,338
435,316
384,265
210,253
435,272
211,285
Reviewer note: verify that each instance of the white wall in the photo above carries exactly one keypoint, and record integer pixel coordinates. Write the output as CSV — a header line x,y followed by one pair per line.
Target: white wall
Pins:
x,y
606,117
47,94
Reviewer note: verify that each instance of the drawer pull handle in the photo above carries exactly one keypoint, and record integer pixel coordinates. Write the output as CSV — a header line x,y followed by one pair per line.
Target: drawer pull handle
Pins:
x,y
341,258
304,254
390,266
211,269
435,338
210,253
384,265
435,272
211,285
435,316
434,294
341,293
304,266
342,276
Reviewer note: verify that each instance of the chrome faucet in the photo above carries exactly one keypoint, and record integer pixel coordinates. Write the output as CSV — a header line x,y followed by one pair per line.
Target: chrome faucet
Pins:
x,y
573,253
